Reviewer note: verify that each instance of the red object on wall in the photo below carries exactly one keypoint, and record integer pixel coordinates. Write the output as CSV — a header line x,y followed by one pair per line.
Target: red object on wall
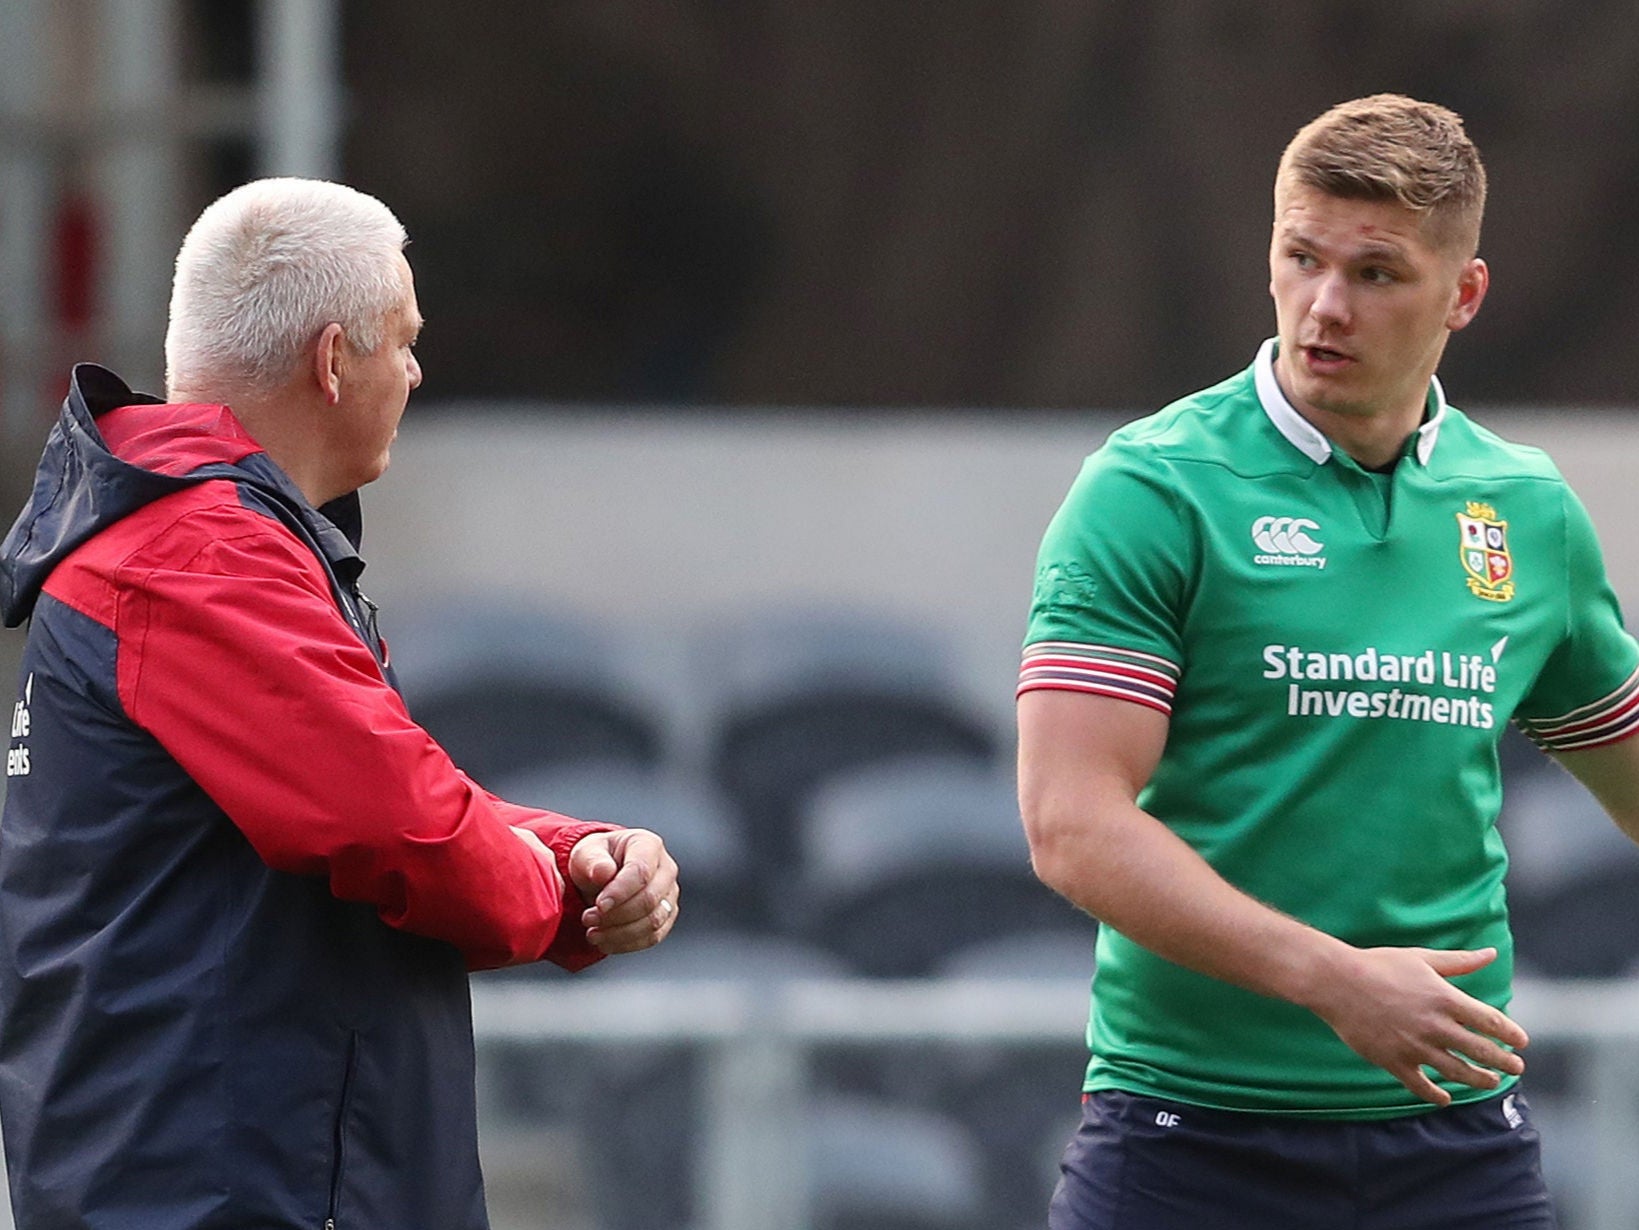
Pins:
x,y
74,265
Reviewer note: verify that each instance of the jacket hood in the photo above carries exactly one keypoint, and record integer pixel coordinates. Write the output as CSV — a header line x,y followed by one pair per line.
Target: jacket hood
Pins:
x,y
111,452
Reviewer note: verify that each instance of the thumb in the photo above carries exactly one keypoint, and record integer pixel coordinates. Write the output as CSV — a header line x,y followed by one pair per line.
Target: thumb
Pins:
x,y
1449,963
592,864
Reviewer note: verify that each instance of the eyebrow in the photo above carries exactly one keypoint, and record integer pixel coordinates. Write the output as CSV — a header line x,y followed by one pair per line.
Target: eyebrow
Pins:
x,y
1373,250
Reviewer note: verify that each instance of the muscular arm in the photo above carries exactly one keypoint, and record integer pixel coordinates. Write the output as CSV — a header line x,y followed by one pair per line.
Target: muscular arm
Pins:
x,y
1083,760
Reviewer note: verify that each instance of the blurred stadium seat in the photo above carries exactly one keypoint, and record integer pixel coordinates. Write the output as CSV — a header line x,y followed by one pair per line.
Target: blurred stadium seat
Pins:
x,y
443,638
906,862
799,696
795,650
493,726
770,758
504,686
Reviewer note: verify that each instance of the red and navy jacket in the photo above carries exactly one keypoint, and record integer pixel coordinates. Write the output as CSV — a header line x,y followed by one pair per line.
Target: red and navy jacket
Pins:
x,y
240,888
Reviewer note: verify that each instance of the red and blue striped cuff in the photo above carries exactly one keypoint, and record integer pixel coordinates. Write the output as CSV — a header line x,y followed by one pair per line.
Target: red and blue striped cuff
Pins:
x,y
1607,720
1105,670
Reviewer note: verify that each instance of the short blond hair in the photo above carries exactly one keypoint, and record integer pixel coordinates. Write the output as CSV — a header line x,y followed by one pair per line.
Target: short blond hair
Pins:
x,y
1388,147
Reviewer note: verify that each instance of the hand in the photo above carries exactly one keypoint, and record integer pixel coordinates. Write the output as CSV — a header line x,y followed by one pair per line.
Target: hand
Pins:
x,y
632,883
1395,1007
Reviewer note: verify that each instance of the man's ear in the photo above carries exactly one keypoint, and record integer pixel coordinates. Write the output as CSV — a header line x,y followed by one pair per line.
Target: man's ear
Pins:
x,y
1472,283
329,358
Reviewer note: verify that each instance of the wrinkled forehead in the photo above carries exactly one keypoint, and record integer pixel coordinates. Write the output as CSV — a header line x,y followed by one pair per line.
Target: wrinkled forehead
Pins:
x,y
1445,230
1368,223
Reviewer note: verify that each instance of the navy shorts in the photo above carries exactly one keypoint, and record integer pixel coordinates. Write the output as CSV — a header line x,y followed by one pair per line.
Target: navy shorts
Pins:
x,y
1144,1164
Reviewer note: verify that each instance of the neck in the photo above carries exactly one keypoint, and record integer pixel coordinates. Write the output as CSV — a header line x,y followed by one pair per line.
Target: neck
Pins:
x,y
288,429
1373,435
1375,441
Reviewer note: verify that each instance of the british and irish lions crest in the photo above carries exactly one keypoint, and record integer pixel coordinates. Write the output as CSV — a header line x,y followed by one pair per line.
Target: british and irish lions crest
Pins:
x,y
1489,567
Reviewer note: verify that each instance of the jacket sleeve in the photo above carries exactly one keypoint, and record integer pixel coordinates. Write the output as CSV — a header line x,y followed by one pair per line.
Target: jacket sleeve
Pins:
x,y
558,833
234,656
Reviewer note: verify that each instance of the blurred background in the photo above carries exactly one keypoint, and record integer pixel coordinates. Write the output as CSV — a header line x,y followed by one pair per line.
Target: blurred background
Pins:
x,y
762,341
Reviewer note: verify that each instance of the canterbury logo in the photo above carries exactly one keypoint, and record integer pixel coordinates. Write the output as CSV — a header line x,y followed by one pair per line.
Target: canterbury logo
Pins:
x,y
1286,536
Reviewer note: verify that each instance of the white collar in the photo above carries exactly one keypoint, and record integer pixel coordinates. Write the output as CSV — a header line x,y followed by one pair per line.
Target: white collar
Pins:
x,y
1309,439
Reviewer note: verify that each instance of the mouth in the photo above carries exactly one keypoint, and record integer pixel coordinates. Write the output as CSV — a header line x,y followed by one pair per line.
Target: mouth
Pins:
x,y
1324,358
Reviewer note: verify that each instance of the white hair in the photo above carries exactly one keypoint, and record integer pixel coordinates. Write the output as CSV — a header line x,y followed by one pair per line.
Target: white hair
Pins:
x,y
264,270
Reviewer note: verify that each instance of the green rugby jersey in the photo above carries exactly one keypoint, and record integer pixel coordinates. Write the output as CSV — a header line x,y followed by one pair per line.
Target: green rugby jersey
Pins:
x,y
1338,652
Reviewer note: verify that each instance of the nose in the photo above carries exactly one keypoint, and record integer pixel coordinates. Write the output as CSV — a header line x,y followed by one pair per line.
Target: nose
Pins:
x,y
1331,302
415,371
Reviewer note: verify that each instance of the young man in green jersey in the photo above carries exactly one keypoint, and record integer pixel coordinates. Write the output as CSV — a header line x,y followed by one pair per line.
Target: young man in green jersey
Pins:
x,y
1277,631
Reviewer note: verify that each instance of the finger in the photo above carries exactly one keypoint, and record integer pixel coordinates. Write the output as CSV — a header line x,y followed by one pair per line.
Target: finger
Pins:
x,y
648,869
631,879
592,865
640,904
1449,963
1480,1035
1482,1050
1419,1083
1491,1022
645,932
1473,1036
633,937
635,890
1458,1070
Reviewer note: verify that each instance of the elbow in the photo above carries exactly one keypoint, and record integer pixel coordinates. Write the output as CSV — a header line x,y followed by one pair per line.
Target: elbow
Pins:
x,y
1054,867
1055,856
1079,848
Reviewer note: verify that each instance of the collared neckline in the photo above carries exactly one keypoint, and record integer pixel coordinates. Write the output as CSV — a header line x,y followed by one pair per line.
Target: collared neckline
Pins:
x,y
1308,439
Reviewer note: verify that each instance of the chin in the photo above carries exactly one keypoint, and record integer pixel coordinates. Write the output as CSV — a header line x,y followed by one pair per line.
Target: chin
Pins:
x,y
368,476
1329,399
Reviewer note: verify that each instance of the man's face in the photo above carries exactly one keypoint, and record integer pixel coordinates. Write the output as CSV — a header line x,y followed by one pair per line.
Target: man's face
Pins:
x,y
1364,304
377,386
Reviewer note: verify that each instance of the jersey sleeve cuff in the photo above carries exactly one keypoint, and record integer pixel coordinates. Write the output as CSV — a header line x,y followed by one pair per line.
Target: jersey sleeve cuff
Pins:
x,y
1608,720
1104,670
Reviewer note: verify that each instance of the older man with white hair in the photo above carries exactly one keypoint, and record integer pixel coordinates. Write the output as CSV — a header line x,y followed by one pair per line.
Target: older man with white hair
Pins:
x,y
240,888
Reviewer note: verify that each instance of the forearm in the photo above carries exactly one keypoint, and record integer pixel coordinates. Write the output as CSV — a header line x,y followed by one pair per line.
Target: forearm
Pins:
x,y
1132,873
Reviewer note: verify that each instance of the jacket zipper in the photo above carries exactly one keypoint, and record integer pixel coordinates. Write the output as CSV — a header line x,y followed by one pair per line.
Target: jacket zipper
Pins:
x,y
368,614
340,1140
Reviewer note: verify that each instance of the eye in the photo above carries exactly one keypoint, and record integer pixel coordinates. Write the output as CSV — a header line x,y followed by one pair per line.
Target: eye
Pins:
x,y
1303,260
1377,275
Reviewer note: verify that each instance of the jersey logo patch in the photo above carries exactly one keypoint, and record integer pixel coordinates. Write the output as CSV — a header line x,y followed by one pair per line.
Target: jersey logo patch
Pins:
x,y
1288,541
1484,550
